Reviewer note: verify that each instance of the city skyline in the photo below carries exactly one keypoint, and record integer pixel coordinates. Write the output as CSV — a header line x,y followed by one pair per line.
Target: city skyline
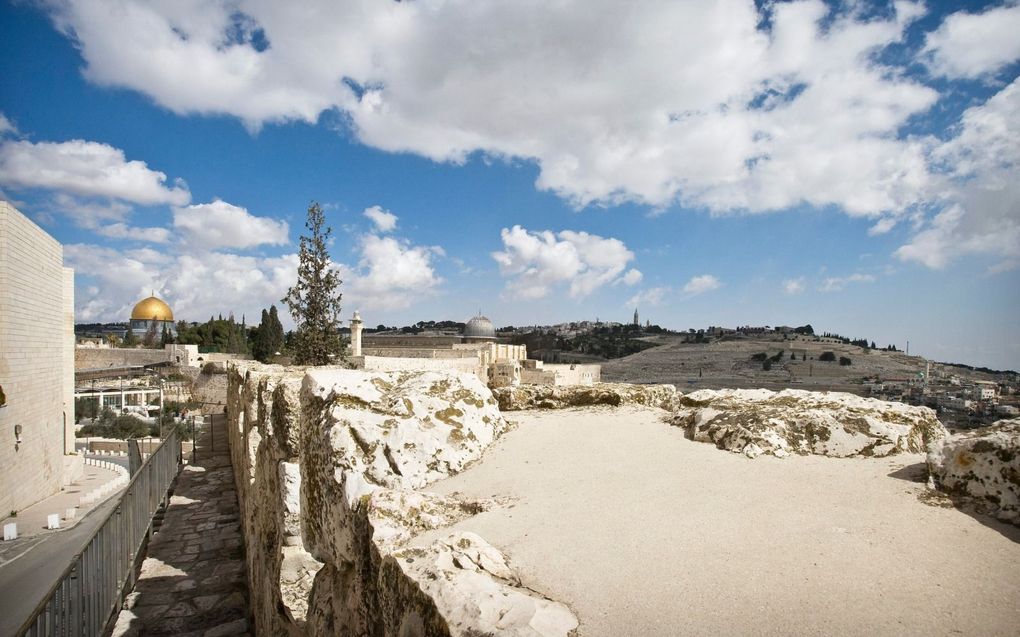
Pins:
x,y
855,168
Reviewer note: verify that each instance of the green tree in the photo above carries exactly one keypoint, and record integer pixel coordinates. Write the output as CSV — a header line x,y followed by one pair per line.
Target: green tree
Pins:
x,y
261,348
276,335
130,340
314,300
151,339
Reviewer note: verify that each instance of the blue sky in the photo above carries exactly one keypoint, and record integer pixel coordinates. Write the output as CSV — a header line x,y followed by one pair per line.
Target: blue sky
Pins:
x,y
850,166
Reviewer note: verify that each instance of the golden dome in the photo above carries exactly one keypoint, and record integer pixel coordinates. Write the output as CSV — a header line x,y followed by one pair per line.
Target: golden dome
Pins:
x,y
152,308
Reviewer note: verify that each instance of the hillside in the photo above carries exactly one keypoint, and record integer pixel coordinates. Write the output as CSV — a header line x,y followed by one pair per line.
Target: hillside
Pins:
x,y
729,363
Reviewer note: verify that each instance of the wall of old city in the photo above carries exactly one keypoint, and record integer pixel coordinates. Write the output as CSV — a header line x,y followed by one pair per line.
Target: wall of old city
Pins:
x,y
331,468
100,357
36,341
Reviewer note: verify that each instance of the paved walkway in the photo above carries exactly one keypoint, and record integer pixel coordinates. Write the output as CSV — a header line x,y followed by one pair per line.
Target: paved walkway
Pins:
x,y
31,520
193,581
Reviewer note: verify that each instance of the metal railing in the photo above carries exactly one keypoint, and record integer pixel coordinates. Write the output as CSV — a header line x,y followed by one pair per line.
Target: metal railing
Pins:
x,y
84,599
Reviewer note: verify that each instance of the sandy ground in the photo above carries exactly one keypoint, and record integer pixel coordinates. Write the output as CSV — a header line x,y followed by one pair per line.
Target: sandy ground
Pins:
x,y
643,532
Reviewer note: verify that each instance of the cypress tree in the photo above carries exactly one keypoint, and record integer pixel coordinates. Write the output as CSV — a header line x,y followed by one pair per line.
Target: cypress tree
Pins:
x,y
314,300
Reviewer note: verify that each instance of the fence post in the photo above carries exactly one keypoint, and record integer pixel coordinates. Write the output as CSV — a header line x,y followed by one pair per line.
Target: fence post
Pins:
x,y
77,618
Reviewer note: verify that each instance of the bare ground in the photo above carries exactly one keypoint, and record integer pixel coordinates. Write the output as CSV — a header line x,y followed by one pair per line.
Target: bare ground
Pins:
x,y
643,532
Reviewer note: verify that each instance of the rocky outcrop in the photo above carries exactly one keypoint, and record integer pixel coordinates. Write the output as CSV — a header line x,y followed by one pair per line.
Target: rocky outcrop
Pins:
x,y
758,421
332,462
521,397
982,467
370,440
471,584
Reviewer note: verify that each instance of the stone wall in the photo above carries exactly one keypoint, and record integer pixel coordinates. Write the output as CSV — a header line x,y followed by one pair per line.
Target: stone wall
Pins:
x,y
330,467
522,397
97,357
392,364
34,355
67,369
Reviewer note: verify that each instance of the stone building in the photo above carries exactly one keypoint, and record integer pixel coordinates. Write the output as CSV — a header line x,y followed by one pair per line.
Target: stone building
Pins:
x,y
36,364
476,349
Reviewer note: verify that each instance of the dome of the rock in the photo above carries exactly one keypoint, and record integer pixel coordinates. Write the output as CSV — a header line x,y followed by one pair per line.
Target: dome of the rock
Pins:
x,y
150,318
152,308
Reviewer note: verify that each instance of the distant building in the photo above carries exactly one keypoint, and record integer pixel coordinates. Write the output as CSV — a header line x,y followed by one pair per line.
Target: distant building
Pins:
x,y
479,329
637,321
476,349
152,313
985,390
36,364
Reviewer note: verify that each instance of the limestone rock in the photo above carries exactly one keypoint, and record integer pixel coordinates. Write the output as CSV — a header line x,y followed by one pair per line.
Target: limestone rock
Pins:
x,y
982,465
562,396
402,429
758,421
329,465
473,589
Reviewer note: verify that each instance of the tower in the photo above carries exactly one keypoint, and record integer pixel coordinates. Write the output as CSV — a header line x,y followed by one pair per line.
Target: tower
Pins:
x,y
637,322
356,326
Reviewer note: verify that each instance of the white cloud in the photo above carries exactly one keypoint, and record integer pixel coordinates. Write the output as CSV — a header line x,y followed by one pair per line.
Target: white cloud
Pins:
x,y
835,284
651,296
982,210
692,102
222,225
882,226
7,127
974,44
391,274
89,213
793,286
196,286
632,277
701,284
537,262
384,220
87,169
124,231
629,124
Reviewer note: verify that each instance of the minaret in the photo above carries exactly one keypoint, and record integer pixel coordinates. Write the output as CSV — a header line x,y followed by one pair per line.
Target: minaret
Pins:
x,y
356,334
636,321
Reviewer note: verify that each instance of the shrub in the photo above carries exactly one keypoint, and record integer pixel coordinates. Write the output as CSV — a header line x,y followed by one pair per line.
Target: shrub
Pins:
x,y
844,361
827,356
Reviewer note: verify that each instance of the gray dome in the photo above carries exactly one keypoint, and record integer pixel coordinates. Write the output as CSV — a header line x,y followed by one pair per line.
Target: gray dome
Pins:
x,y
479,327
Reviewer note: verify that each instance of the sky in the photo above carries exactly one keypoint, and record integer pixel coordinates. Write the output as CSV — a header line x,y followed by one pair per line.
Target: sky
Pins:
x,y
855,166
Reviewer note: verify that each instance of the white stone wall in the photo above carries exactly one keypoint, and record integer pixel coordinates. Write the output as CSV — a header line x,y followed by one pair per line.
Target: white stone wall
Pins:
x,y
393,364
67,367
34,356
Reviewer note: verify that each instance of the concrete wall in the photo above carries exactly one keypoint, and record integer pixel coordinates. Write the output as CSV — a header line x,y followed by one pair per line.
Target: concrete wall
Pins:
x,y
34,344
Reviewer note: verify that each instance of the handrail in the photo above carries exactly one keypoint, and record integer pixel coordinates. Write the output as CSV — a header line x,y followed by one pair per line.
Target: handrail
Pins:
x,y
85,597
